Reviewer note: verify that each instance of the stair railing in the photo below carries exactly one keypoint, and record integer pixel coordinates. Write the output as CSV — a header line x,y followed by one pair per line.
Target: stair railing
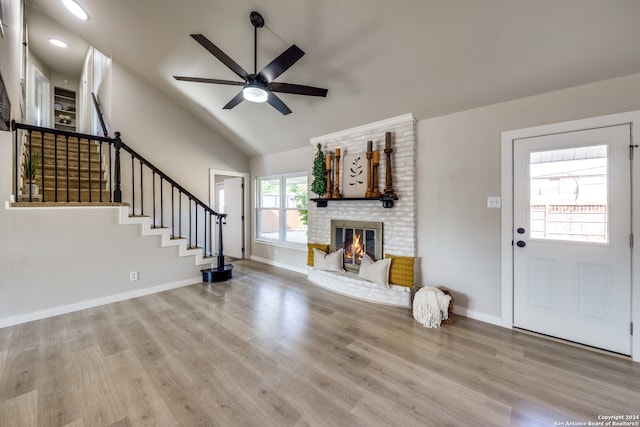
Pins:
x,y
151,193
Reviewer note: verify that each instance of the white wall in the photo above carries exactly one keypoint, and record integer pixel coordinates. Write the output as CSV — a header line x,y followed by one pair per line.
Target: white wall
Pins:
x,y
459,166
176,142
54,260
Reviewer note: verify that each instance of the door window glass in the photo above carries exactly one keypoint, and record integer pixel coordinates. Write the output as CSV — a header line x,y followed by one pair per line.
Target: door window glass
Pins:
x,y
568,199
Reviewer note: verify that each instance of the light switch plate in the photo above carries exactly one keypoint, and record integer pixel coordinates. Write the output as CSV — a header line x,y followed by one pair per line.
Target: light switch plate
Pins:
x,y
494,202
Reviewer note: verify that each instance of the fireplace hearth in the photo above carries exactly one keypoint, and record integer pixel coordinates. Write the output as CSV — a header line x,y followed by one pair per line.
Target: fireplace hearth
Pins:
x,y
356,238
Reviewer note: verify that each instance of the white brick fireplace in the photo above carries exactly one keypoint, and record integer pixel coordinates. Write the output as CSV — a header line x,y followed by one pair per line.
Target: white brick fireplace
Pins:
x,y
399,221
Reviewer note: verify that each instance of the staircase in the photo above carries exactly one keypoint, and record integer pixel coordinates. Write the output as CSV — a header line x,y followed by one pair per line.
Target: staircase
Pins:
x,y
82,169
73,169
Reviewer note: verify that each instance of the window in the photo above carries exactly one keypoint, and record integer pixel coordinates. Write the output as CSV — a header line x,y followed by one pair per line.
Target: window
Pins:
x,y
569,197
281,208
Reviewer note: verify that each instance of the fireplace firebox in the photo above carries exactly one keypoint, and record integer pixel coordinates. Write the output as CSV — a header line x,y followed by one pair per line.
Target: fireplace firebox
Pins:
x,y
356,238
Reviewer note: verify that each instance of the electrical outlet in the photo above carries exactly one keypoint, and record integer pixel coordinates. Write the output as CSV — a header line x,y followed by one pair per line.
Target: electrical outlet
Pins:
x,y
494,202
133,276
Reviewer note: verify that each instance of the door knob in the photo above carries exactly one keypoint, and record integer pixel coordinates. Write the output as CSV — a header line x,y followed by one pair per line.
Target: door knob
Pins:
x,y
521,244
520,230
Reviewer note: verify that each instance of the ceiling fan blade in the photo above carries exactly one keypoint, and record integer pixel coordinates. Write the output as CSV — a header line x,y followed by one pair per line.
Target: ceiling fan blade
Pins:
x,y
223,57
281,64
235,101
298,89
278,104
205,80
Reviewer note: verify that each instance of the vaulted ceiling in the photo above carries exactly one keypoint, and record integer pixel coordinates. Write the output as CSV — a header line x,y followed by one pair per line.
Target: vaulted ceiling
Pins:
x,y
378,58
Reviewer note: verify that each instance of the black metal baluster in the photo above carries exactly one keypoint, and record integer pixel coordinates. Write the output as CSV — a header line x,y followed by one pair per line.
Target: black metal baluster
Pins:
x,y
205,232
79,172
110,173
211,233
173,225
15,160
180,213
42,164
30,154
101,170
89,161
55,167
190,246
153,186
133,189
161,204
66,140
141,191
117,192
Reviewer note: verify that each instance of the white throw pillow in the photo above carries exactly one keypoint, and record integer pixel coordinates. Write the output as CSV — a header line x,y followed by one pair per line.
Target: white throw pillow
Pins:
x,y
328,262
375,271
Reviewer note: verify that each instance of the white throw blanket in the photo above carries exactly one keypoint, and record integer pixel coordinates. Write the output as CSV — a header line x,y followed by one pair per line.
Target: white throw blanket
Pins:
x,y
430,306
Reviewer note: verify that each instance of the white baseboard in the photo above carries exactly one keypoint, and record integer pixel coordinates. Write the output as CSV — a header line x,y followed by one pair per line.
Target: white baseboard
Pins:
x,y
462,311
56,311
279,264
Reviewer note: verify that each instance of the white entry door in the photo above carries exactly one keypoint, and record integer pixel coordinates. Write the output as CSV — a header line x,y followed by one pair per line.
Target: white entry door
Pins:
x,y
233,231
572,236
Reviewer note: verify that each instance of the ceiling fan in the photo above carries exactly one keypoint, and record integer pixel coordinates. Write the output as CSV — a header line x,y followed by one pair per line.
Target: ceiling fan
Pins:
x,y
259,86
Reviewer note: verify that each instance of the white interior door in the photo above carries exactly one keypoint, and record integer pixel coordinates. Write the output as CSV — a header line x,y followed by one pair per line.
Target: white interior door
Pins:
x,y
572,228
233,233
39,99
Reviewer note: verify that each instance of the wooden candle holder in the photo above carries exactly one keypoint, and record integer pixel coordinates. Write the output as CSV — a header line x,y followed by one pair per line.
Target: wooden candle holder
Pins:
x,y
329,192
336,191
388,189
376,163
369,192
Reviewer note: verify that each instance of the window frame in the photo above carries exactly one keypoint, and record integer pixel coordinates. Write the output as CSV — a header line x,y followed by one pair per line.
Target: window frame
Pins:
x,y
282,209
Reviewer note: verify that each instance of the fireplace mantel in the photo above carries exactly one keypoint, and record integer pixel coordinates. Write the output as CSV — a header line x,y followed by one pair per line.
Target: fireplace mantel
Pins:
x,y
387,201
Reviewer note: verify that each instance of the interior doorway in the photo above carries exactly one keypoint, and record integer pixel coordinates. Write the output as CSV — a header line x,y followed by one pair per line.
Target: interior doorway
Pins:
x,y
527,290
39,98
229,193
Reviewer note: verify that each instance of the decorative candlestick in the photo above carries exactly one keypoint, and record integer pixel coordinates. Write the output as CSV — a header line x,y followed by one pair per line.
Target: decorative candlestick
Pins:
x,y
369,155
388,189
376,162
336,191
327,194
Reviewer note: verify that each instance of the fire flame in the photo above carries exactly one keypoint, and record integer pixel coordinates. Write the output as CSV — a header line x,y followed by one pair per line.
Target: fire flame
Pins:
x,y
355,249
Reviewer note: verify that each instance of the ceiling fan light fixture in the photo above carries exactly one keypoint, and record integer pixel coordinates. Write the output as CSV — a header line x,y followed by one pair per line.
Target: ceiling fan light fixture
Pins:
x,y
76,9
255,93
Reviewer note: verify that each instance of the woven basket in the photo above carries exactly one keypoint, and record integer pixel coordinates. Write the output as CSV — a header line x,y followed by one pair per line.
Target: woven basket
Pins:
x,y
449,321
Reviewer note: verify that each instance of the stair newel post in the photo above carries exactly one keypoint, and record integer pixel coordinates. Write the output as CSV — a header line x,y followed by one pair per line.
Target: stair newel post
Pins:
x,y
222,272
221,222
117,190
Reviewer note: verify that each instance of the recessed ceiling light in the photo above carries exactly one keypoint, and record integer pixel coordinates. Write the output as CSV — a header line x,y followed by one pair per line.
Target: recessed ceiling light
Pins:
x,y
76,9
57,42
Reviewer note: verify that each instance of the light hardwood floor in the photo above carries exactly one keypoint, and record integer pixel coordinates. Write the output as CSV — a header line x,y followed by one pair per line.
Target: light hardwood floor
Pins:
x,y
270,349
